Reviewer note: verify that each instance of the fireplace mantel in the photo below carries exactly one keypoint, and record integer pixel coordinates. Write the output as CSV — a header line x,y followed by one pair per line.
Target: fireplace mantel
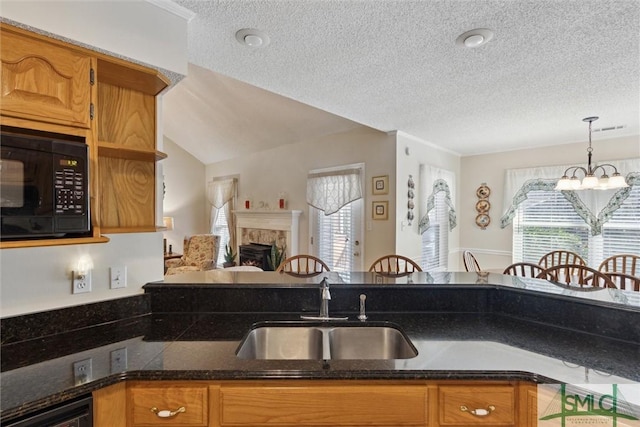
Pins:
x,y
286,221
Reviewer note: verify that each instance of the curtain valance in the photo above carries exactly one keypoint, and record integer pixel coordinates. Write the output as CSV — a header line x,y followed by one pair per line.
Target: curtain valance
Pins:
x,y
519,182
330,191
219,192
432,181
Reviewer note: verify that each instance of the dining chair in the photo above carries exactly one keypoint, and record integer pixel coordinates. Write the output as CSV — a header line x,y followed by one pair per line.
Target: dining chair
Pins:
x,y
396,265
621,263
470,262
303,265
523,269
576,275
624,281
563,257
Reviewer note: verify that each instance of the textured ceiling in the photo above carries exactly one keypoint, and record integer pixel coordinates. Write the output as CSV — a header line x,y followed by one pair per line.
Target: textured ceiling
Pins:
x,y
394,65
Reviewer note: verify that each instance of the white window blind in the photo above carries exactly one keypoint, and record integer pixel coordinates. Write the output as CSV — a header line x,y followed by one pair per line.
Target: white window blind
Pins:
x,y
435,241
334,236
621,234
221,228
546,221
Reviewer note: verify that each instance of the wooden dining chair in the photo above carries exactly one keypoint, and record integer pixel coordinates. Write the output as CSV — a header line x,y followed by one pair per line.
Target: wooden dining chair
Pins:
x,y
470,262
561,257
523,269
576,275
624,281
396,265
621,263
303,265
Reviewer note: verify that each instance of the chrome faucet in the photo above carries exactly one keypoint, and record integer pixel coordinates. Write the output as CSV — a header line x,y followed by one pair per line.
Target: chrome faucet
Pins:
x,y
325,296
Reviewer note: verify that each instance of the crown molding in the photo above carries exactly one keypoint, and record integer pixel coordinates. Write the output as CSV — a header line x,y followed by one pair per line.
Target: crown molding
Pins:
x,y
173,8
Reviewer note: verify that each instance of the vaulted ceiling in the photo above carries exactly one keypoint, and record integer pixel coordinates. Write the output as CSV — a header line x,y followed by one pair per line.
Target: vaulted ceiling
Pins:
x,y
332,65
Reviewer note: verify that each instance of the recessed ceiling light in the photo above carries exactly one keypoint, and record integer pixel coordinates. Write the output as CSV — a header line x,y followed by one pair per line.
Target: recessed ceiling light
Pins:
x,y
474,38
252,37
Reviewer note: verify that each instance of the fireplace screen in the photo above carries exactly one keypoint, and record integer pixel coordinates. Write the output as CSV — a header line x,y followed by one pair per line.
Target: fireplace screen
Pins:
x,y
256,254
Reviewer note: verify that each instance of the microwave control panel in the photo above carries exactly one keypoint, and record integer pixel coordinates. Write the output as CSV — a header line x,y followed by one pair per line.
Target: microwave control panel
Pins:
x,y
69,187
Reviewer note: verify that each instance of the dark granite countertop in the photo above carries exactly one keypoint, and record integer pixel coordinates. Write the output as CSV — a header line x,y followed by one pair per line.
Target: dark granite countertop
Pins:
x,y
492,332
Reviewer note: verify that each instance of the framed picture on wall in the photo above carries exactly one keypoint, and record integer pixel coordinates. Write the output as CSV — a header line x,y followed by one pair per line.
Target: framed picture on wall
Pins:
x,y
380,185
380,210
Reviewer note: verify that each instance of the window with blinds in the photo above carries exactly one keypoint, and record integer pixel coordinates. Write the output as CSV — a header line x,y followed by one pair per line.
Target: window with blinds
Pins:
x,y
221,229
334,235
546,221
621,234
435,241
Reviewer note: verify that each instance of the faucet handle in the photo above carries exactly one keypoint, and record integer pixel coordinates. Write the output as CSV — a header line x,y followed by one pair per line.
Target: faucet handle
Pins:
x,y
324,283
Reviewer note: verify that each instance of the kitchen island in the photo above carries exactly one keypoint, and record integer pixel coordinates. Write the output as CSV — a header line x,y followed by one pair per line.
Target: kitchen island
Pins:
x,y
465,326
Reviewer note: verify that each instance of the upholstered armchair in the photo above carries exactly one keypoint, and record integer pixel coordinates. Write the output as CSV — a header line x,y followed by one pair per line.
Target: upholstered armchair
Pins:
x,y
200,253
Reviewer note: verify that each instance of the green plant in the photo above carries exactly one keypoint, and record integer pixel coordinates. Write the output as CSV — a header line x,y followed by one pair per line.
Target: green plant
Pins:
x,y
229,255
277,255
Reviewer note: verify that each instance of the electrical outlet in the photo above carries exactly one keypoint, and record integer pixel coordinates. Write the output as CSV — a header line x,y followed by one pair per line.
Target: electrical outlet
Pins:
x,y
82,371
119,360
118,277
81,283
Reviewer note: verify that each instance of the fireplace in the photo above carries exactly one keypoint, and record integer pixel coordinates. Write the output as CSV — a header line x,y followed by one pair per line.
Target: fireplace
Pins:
x,y
256,254
263,228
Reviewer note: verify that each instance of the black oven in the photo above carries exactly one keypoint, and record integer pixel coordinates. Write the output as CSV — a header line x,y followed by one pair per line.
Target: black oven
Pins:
x,y
77,413
44,185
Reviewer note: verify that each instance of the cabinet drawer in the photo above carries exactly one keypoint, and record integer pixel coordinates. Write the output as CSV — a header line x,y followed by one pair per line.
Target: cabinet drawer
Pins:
x,y
323,405
454,399
168,396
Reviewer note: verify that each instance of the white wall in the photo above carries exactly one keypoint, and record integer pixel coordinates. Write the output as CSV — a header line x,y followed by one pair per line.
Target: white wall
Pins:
x,y
493,245
264,174
410,154
135,29
185,198
38,279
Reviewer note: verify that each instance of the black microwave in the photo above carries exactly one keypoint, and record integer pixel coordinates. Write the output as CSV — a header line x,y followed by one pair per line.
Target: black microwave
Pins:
x,y
44,185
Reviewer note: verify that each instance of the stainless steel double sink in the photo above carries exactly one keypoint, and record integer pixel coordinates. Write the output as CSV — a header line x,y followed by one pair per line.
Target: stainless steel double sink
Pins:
x,y
326,340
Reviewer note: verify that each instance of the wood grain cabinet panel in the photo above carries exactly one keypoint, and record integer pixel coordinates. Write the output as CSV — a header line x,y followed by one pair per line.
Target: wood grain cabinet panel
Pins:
x,y
493,405
44,81
127,195
146,400
323,405
126,117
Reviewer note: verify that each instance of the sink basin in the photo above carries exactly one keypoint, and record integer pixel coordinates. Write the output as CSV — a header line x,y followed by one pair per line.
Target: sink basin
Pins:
x,y
370,342
346,341
281,342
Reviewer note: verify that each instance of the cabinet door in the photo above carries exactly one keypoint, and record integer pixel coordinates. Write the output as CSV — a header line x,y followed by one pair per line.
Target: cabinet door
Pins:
x,y
43,81
322,405
471,405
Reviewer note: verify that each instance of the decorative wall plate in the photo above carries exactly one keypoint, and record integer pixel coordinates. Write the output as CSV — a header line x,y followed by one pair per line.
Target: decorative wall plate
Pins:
x,y
483,220
483,191
483,206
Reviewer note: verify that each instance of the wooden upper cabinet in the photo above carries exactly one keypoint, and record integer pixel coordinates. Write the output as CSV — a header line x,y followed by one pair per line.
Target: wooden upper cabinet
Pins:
x,y
48,84
44,81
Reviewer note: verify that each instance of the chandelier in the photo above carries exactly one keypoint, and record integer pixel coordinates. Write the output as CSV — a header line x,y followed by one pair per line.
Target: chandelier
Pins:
x,y
590,180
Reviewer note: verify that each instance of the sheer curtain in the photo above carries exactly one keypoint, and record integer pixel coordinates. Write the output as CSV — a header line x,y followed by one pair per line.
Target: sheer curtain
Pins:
x,y
221,193
595,207
434,180
329,191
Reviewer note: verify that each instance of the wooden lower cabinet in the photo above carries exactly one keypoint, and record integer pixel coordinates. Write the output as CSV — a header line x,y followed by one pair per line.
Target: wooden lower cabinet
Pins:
x,y
330,403
318,403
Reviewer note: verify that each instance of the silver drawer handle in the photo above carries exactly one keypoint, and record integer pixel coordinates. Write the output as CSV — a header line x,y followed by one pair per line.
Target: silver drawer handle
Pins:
x,y
479,412
167,413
